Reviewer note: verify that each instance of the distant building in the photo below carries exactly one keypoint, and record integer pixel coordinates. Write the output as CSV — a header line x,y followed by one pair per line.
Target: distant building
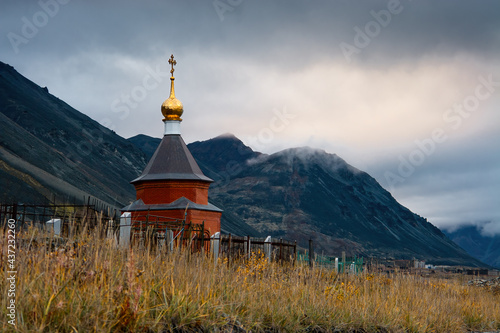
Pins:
x,y
418,264
172,186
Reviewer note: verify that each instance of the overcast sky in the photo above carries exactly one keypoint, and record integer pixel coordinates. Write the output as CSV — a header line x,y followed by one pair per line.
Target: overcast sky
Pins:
x,y
407,91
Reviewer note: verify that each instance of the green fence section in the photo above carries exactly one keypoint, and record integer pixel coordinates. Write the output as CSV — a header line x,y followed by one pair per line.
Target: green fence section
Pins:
x,y
352,265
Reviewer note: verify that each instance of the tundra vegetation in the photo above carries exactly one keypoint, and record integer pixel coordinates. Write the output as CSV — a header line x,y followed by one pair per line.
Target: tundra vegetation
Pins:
x,y
88,284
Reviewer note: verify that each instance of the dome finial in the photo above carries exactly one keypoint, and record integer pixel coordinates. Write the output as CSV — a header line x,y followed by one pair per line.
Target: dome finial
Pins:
x,y
172,108
172,62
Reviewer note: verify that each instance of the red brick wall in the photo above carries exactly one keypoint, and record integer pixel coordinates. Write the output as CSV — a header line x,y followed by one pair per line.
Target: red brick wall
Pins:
x,y
165,192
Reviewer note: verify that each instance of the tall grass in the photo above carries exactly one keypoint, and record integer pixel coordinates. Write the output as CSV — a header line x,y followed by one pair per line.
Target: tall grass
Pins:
x,y
90,285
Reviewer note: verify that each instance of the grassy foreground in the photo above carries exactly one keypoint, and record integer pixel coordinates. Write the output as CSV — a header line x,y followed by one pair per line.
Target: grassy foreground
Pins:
x,y
96,287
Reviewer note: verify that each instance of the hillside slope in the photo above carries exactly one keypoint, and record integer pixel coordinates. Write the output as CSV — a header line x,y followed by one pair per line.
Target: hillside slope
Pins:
x,y
484,248
47,147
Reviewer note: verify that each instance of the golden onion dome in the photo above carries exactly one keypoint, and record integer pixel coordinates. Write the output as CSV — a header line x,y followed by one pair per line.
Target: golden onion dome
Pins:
x,y
172,108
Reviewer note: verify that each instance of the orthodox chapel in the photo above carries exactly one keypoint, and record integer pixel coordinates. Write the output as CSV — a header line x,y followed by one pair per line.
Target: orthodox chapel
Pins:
x,y
172,185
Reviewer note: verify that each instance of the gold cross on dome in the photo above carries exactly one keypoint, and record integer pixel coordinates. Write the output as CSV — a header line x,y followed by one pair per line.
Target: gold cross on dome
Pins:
x,y
172,62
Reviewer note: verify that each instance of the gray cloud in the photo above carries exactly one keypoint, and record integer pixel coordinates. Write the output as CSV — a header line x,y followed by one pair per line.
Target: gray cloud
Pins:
x,y
457,184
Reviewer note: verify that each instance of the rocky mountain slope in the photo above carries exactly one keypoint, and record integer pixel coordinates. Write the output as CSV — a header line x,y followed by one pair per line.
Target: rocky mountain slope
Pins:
x,y
146,144
484,248
47,147
304,193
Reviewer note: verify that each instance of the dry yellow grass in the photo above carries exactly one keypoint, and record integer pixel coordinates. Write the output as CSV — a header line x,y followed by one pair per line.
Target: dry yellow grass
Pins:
x,y
95,287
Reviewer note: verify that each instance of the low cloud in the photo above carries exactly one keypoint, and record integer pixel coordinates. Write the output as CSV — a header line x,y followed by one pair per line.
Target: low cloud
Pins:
x,y
491,228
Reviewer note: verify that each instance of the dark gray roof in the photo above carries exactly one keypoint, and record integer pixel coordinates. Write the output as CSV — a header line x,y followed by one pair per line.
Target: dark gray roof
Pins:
x,y
180,203
172,160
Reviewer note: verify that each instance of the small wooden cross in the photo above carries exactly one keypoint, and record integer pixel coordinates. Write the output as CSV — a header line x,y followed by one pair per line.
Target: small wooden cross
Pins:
x,y
172,62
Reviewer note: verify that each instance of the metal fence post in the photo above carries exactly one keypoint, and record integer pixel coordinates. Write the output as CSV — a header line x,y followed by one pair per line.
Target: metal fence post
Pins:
x,y
311,253
249,246
229,241
343,261
294,252
202,237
